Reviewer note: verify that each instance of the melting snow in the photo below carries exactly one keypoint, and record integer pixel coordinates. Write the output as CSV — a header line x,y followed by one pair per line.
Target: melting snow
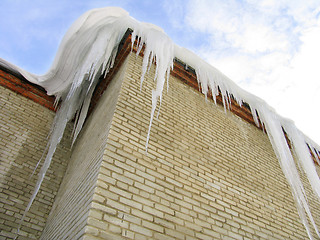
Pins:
x,y
89,49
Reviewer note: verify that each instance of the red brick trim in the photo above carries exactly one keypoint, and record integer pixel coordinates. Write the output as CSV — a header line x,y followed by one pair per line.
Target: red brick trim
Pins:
x,y
26,89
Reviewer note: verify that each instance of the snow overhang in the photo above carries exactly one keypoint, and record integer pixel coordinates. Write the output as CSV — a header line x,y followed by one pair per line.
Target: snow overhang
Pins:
x,y
180,70
15,81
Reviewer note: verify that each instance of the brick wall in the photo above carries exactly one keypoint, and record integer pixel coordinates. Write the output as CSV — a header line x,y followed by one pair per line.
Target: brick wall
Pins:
x,y
70,211
207,174
24,126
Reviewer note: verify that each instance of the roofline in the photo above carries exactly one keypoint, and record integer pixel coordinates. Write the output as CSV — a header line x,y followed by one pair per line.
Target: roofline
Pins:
x,y
183,72
14,81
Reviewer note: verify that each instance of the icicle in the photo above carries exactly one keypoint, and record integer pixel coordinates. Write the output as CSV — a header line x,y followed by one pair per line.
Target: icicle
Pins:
x,y
281,148
154,105
304,155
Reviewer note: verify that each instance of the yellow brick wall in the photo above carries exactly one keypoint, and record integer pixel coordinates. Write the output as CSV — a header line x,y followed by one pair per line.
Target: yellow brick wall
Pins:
x,y
24,126
70,211
207,174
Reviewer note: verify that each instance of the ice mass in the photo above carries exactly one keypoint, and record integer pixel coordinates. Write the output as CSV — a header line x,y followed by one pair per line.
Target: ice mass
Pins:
x,y
88,50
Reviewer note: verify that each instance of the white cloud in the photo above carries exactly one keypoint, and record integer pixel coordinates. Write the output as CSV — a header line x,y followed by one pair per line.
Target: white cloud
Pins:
x,y
175,12
270,48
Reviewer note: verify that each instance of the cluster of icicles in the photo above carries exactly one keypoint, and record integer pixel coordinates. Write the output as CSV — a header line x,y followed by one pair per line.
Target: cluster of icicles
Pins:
x,y
88,50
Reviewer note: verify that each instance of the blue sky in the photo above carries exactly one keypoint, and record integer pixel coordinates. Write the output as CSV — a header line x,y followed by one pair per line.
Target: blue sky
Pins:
x,y
269,47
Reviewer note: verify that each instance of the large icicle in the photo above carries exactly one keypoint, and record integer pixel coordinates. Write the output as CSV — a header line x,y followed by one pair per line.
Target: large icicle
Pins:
x,y
278,140
159,47
88,50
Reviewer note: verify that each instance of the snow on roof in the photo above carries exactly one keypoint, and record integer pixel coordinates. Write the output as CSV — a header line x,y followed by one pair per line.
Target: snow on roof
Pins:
x,y
88,50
